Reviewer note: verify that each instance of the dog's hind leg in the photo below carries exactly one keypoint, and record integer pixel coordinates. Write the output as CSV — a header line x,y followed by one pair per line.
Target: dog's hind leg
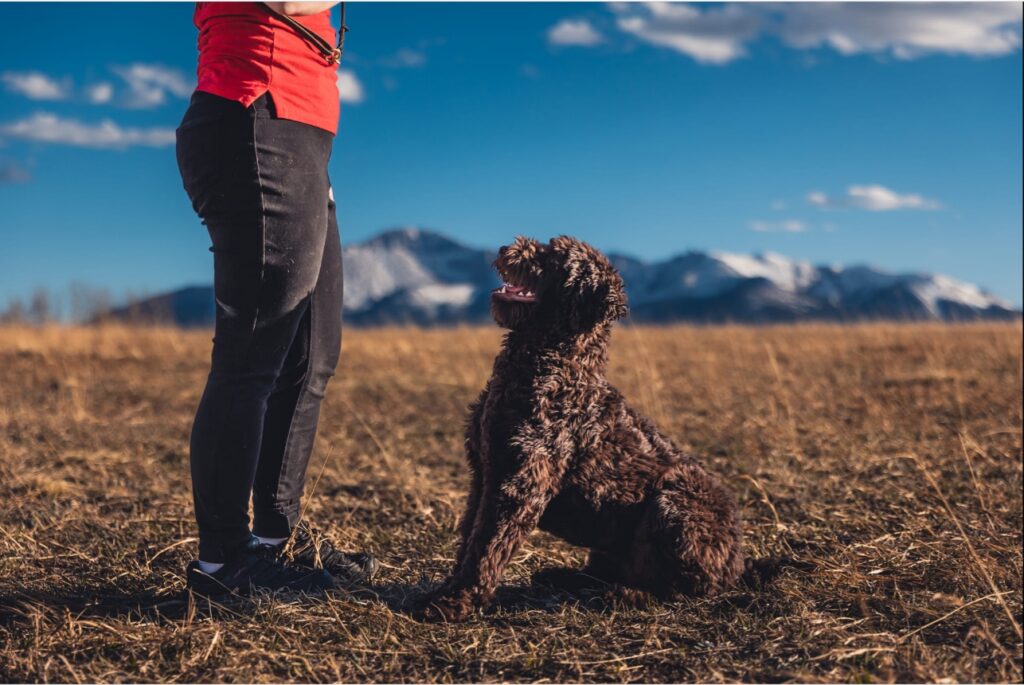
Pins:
x,y
692,535
603,578
629,597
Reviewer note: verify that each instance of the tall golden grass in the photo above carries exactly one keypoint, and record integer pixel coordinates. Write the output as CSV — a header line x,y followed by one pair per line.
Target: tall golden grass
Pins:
x,y
886,456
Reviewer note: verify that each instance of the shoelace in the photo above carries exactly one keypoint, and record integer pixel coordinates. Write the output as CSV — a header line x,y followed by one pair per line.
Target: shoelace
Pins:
x,y
307,541
268,568
330,556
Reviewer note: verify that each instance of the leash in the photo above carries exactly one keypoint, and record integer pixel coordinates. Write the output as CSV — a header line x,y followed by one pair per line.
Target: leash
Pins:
x,y
330,53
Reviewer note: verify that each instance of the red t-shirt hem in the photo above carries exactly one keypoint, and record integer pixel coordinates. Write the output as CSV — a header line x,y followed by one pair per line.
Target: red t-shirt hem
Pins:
x,y
244,52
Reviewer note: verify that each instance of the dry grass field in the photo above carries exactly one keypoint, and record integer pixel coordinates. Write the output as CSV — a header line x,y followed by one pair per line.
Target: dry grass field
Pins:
x,y
887,457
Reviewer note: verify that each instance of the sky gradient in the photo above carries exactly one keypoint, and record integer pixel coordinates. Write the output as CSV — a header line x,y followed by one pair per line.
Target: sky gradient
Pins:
x,y
880,134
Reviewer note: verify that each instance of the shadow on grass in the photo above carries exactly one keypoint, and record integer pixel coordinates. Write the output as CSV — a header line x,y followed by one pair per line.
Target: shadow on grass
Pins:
x,y
509,599
92,602
162,605
157,606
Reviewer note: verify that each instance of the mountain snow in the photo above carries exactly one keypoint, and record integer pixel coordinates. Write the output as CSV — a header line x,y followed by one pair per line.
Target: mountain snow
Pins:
x,y
427,274
373,272
430,268
934,289
437,294
418,276
787,274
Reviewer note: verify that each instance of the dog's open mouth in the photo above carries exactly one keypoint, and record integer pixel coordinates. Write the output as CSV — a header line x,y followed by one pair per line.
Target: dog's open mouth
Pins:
x,y
514,293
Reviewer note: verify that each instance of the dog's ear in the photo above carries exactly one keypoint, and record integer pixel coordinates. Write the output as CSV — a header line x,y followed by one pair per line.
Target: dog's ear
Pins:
x,y
604,303
618,303
592,287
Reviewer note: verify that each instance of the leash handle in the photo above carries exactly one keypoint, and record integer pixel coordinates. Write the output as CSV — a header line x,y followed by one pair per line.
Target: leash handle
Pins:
x,y
330,53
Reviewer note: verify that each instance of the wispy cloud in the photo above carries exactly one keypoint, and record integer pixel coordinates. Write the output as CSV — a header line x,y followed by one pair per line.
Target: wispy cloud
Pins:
x,y
350,89
44,127
12,172
787,226
36,85
904,30
406,58
709,36
144,85
100,93
720,34
574,32
150,84
874,198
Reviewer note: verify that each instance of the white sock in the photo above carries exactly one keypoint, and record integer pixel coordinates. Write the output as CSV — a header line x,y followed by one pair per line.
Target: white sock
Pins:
x,y
273,542
209,566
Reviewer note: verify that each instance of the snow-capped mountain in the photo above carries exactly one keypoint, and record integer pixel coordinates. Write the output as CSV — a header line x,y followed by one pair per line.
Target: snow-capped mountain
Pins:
x,y
422,277
719,286
415,276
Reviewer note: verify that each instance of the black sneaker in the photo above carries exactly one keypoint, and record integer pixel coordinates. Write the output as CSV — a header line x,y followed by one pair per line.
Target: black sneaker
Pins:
x,y
308,548
255,567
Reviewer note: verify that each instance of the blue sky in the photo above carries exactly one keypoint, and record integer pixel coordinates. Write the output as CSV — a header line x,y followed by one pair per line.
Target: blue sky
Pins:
x,y
878,134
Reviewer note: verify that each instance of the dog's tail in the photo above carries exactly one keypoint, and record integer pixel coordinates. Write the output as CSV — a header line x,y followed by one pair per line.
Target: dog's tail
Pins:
x,y
758,573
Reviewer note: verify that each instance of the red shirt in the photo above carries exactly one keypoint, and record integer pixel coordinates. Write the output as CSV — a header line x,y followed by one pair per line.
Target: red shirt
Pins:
x,y
245,51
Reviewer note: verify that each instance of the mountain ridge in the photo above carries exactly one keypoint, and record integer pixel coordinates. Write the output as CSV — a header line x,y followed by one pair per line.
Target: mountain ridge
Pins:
x,y
423,277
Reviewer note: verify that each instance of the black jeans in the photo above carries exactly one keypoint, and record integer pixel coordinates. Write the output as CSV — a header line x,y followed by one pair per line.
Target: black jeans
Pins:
x,y
260,185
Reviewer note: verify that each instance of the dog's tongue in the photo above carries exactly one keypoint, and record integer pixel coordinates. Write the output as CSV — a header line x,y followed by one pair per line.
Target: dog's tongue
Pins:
x,y
514,289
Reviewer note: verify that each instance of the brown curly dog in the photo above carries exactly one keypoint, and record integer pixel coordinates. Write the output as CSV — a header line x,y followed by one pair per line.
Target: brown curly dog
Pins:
x,y
552,445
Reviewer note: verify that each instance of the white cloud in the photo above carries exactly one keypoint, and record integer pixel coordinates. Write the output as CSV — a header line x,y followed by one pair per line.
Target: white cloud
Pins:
x,y
44,127
816,197
574,32
100,93
787,226
349,88
36,85
904,30
149,84
405,58
709,36
720,34
778,205
874,198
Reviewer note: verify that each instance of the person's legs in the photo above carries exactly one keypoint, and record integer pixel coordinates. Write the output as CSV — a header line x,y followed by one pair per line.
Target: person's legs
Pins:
x,y
293,409
260,185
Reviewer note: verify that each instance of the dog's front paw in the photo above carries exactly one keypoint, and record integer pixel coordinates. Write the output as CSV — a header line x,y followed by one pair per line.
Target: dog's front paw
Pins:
x,y
451,607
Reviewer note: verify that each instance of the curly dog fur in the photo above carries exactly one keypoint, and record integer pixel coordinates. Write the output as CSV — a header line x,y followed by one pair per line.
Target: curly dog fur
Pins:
x,y
551,444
